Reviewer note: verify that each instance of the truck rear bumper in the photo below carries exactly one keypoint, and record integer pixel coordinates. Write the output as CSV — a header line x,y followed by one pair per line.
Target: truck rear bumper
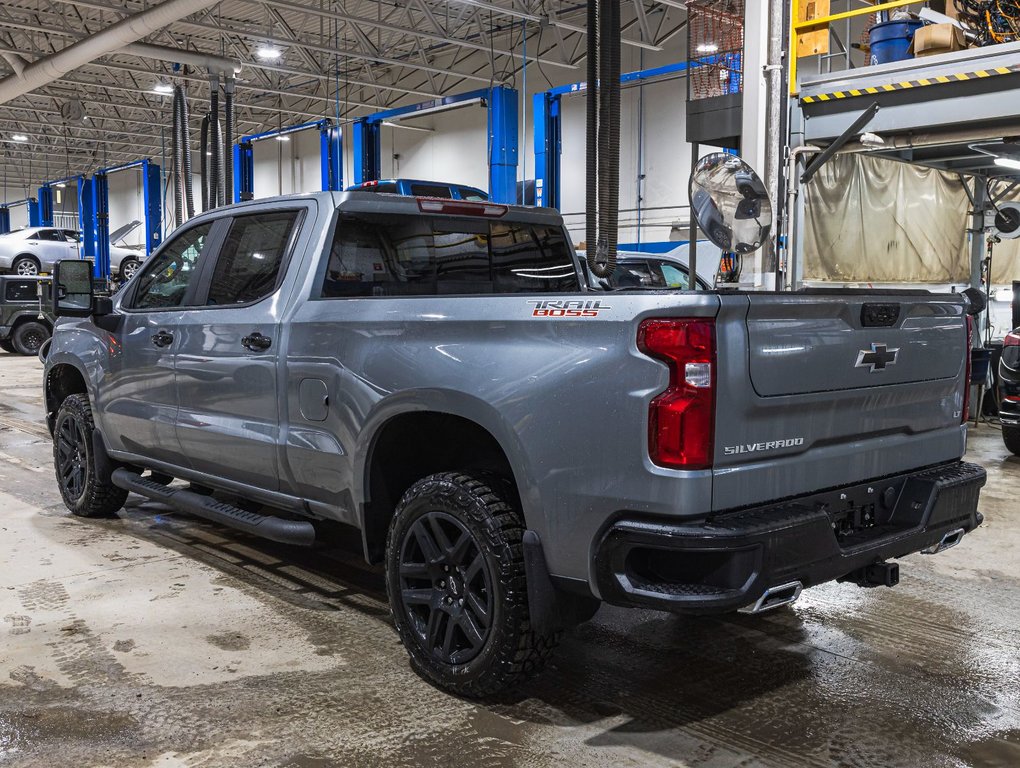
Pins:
x,y
730,560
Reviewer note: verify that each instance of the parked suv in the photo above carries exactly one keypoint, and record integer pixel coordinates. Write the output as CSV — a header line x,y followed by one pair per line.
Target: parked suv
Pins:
x,y
515,447
24,325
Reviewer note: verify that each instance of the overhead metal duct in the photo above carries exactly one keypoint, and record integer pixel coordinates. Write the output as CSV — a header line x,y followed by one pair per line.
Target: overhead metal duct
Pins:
x,y
114,37
214,64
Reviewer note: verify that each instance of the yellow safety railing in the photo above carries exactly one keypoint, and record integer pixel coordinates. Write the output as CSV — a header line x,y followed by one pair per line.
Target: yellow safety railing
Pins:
x,y
797,28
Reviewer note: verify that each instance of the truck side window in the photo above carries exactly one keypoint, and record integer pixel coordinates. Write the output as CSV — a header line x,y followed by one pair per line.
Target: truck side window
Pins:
x,y
165,279
248,267
21,290
408,255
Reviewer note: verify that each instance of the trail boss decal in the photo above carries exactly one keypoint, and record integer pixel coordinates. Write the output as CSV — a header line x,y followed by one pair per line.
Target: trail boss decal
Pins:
x,y
549,308
771,445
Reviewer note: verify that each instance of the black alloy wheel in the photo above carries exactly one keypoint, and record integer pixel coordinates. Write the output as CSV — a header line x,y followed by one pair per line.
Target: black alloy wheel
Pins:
x,y
457,584
71,456
85,485
445,588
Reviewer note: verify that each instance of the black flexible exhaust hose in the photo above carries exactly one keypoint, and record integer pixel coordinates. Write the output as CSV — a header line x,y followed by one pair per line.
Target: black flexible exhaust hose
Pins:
x,y
613,175
189,198
228,142
605,146
175,158
591,129
215,197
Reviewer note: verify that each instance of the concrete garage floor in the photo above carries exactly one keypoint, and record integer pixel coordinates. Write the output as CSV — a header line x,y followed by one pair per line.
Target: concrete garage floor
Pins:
x,y
157,639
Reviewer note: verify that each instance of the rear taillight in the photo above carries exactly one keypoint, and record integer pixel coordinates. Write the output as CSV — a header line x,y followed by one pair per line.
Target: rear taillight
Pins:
x,y
965,415
681,420
1012,339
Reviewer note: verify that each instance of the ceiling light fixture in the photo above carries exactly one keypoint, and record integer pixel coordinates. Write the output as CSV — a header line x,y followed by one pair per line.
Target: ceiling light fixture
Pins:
x,y
707,48
163,88
1008,162
19,137
268,52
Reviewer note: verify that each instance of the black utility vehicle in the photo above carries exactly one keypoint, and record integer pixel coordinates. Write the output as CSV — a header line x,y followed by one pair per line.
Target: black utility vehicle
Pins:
x,y
24,324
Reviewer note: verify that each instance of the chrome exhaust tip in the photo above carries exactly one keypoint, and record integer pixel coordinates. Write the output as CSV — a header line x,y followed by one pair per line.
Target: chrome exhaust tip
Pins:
x,y
774,597
948,541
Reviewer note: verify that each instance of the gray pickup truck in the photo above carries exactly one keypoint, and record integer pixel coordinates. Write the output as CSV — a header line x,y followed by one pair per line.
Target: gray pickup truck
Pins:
x,y
513,446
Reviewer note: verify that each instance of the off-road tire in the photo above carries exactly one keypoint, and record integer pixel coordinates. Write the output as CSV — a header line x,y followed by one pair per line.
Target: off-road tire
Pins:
x,y
510,651
28,337
7,346
1011,437
25,266
89,494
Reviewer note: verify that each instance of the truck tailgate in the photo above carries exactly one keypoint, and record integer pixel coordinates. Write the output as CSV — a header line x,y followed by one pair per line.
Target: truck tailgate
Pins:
x,y
836,388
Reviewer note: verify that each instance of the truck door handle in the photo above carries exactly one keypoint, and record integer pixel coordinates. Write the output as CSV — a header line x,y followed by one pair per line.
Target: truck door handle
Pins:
x,y
162,339
256,342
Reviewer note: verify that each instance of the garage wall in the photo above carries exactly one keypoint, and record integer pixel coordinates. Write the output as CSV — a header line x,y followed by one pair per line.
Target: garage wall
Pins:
x,y
126,202
456,149
287,167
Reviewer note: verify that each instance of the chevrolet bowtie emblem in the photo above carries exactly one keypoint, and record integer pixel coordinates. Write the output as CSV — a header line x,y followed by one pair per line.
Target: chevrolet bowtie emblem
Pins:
x,y
877,358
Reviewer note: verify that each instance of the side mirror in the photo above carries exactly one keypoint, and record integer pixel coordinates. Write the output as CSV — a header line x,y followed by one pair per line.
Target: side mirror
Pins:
x,y
730,203
72,292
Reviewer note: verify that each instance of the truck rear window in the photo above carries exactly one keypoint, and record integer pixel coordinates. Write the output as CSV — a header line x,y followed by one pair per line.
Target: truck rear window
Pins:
x,y
408,255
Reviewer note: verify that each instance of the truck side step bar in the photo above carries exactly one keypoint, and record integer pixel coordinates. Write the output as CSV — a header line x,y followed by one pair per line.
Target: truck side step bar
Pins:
x,y
297,532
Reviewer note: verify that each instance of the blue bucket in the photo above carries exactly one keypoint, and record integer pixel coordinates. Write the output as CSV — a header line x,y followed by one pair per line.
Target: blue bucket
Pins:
x,y
890,40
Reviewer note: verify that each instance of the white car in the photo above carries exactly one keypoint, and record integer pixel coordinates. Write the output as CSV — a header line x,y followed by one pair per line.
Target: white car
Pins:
x,y
35,250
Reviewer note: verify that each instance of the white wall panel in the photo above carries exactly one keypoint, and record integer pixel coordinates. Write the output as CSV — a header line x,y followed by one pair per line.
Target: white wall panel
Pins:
x,y
287,167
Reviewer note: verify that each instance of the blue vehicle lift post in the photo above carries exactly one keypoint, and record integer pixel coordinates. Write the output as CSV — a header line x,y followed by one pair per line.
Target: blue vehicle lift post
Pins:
x,y
5,219
330,157
501,104
548,125
94,212
45,206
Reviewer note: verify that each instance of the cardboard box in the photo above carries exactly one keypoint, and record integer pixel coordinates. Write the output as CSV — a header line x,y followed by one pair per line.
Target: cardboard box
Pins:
x,y
937,38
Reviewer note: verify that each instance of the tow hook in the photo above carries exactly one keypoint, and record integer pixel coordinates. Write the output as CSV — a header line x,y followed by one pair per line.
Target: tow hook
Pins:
x,y
875,575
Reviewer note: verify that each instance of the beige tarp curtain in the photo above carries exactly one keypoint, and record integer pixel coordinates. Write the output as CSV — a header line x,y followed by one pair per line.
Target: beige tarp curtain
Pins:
x,y
871,220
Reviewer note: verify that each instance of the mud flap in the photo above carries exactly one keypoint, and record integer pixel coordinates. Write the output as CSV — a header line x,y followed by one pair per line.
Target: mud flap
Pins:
x,y
550,609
